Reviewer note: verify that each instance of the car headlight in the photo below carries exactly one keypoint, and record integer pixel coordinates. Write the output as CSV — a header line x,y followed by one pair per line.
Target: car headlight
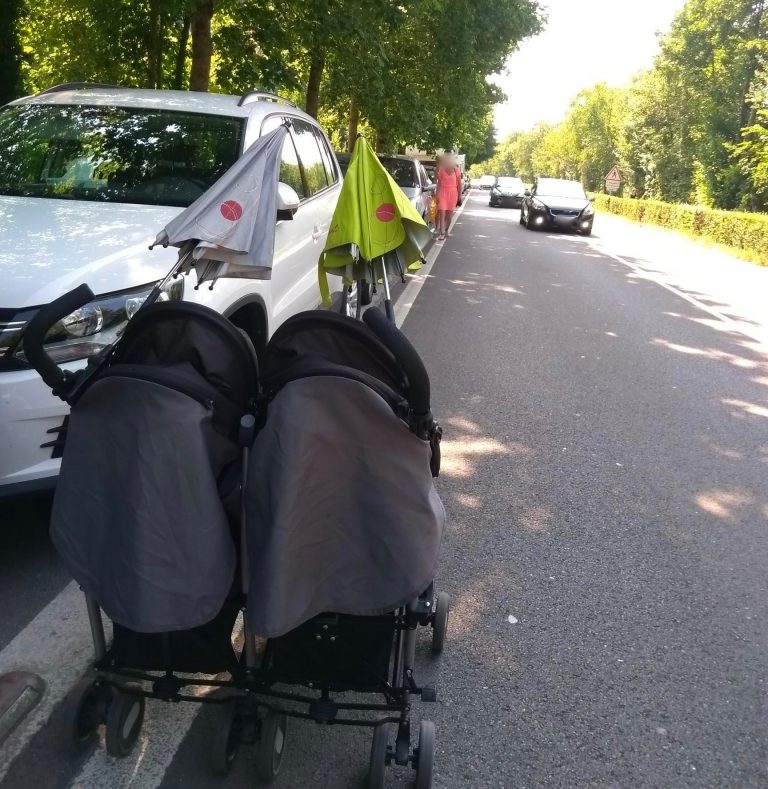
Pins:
x,y
588,210
95,325
538,205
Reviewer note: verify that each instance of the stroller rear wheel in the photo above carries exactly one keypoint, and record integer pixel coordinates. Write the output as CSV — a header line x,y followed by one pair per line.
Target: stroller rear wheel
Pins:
x,y
124,718
425,758
378,763
86,712
440,622
226,738
269,753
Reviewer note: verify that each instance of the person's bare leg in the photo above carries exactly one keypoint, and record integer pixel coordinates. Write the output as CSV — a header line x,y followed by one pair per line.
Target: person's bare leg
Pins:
x,y
448,218
440,225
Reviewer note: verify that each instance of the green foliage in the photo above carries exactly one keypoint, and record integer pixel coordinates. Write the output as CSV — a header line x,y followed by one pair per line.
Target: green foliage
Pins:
x,y
694,128
416,70
745,233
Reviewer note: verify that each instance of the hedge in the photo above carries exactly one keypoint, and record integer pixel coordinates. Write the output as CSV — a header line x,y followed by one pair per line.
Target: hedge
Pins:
x,y
746,234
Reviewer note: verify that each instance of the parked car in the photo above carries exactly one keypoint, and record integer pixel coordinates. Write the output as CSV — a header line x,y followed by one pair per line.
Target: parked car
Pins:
x,y
507,191
88,176
558,203
409,174
487,181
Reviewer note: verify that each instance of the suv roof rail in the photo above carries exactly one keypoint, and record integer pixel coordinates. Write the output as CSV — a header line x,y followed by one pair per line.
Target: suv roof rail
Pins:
x,y
75,86
263,95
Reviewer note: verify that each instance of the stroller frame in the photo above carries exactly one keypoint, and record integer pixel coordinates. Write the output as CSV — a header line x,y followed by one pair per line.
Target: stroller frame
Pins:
x,y
114,695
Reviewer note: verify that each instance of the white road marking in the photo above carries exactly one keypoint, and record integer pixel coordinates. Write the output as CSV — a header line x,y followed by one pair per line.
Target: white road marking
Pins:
x,y
57,645
758,334
417,280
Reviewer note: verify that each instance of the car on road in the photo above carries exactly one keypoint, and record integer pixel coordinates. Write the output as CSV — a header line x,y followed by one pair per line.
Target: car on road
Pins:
x,y
88,176
487,181
556,203
507,191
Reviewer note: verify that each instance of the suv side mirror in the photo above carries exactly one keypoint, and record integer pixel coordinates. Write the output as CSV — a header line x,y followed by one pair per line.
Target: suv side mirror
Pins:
x,y
287,201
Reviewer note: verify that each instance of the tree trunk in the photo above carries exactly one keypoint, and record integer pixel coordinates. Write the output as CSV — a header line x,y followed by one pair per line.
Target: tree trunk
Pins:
x,y
316,66
157,51
200,24
10,50
181,55
354,119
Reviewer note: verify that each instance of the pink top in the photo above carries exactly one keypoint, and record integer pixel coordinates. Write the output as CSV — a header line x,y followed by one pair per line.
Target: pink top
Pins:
x,y
448,188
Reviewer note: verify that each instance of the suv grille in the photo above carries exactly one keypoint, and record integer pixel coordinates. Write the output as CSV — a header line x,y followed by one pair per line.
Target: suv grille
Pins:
x,y
12,324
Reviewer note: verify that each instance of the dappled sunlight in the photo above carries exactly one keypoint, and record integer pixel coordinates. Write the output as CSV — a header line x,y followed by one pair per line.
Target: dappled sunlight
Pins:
x,y
462,423
762,380
743,407
506,289
707,353
468,500
459,455
535,519
724,504
724,452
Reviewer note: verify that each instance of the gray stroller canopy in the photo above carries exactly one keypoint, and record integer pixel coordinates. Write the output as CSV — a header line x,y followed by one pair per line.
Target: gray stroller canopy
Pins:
x,y
341,511
137,517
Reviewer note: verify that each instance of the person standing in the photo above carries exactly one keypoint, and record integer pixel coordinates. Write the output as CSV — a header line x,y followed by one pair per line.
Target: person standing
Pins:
x,y
448,191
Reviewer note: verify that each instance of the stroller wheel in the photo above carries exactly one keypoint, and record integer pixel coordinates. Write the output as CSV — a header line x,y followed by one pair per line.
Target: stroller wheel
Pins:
x,y
124,719
440,622
378,757
226,738
425,757
269,752
86,712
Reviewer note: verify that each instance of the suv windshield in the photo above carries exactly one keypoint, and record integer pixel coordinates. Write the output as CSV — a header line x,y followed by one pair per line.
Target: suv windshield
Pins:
x,y
115,154
507,182
402,171
555,187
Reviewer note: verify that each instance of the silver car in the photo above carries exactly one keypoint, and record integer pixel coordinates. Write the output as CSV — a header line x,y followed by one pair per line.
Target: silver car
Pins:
x,y
409,174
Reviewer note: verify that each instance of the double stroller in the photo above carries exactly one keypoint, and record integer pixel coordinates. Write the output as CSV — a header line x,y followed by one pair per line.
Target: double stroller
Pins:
x,y
261,534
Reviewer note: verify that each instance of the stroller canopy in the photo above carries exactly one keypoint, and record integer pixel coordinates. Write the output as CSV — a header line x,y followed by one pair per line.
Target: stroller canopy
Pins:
x,y
341,511
138,518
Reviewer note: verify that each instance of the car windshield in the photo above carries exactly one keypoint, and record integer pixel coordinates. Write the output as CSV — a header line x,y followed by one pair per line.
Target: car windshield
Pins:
x,y
401,170
505,182
114,154
555,187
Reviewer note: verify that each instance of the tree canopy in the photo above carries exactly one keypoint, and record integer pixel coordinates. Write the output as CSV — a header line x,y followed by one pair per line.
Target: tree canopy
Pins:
x,y
694,128
412,72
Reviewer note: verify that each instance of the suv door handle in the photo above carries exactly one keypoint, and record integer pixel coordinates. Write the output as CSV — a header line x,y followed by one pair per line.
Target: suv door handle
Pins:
x,y
316,233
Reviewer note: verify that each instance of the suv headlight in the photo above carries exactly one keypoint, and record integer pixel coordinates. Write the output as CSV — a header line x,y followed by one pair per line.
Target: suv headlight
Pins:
x,y
87,331
588,210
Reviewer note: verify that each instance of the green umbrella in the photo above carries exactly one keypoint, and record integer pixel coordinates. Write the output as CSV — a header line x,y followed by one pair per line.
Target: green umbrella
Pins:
x,y
372,219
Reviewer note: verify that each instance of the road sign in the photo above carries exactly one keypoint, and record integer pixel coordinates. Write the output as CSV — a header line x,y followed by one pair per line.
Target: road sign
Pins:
x,y
613,180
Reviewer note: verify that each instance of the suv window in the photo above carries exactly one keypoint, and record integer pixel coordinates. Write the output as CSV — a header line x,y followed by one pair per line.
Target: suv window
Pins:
x,y
327,156
290,171
115,154
315,175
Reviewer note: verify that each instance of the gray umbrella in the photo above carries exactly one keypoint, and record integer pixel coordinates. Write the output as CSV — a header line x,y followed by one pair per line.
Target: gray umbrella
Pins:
x,y
229,231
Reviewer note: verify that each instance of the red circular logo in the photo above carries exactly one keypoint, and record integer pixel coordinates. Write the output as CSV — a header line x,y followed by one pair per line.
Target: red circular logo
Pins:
x,y
385,212
232,210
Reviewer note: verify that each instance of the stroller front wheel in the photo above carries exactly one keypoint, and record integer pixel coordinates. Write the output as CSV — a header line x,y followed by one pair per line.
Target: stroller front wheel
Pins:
x,y
124,719
378,763
440,622
269,754
87,711
425,760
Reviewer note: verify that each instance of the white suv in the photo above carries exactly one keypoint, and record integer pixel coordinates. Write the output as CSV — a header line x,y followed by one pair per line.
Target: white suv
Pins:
x,y
88,176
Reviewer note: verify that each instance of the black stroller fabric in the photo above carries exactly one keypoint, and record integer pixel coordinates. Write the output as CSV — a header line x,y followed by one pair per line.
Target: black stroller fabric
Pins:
x,y
137,517
341,510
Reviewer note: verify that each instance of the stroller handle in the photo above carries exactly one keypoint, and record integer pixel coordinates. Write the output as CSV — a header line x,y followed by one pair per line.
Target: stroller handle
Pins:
x,y
41,323
407,357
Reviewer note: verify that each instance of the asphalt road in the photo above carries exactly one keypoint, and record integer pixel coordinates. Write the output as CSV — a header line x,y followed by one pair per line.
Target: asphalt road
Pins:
x,y
604,472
